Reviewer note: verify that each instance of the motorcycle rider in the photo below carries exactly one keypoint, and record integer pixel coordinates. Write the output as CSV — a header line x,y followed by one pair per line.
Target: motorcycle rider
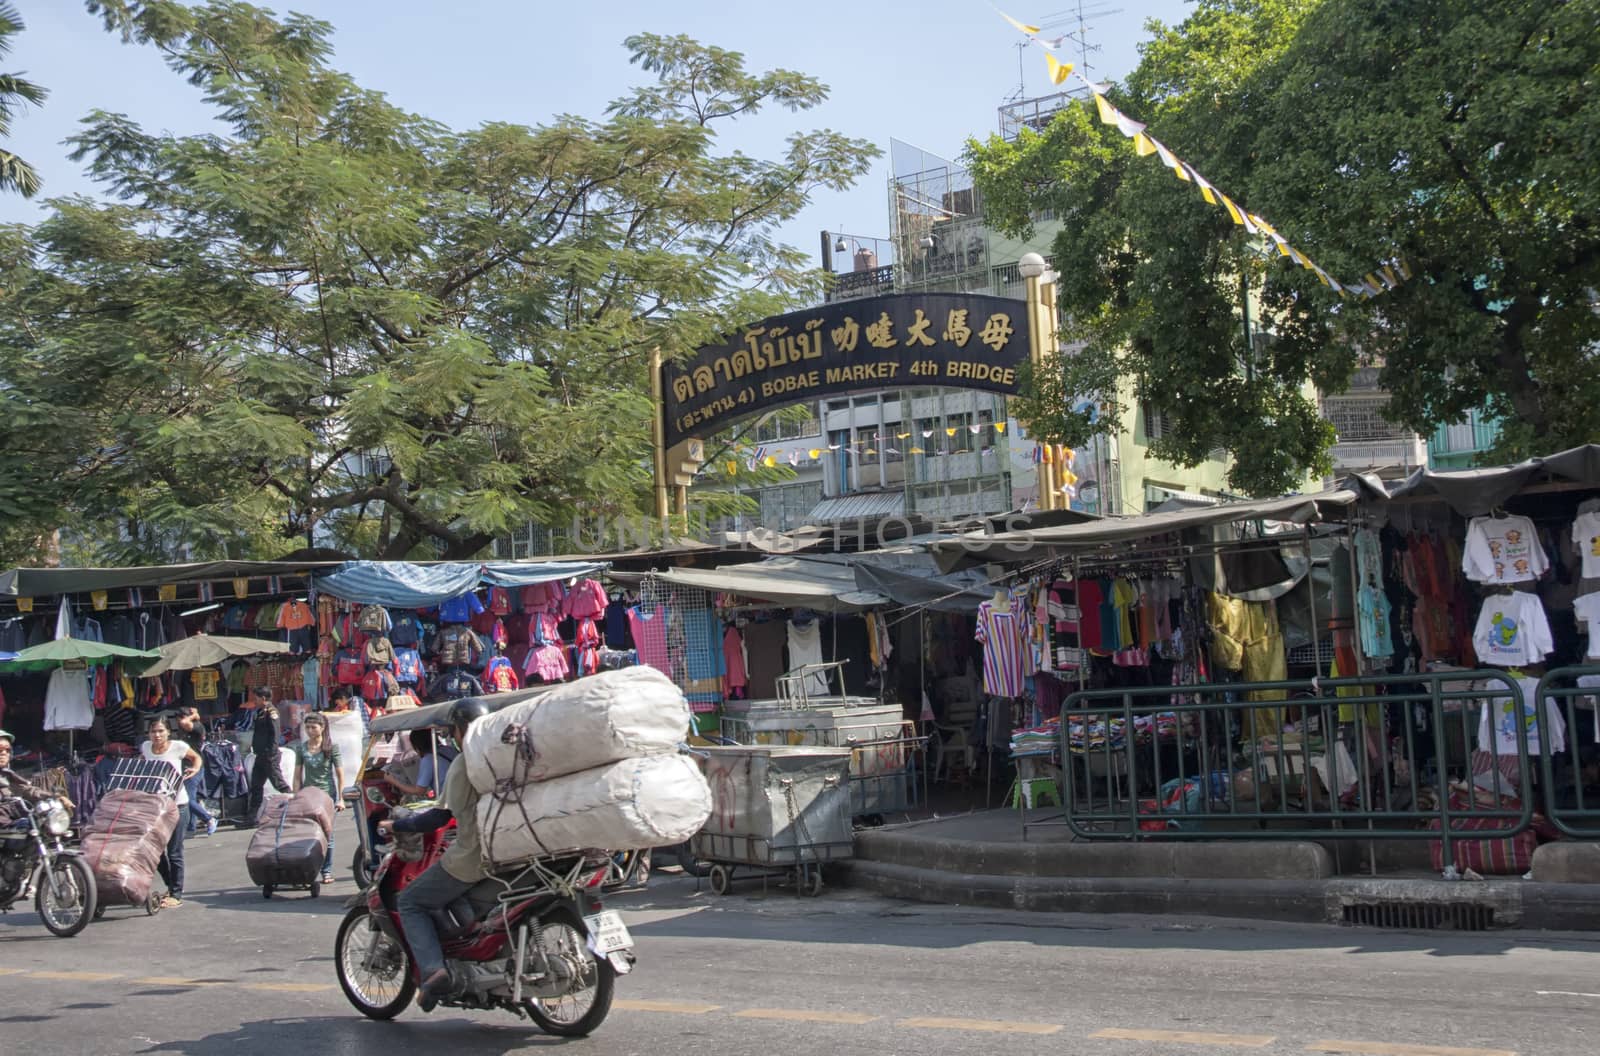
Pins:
x,y
13,784
454,874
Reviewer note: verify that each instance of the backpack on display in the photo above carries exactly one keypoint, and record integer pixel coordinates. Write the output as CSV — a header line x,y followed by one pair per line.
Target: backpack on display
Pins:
x,y
348,670
374,619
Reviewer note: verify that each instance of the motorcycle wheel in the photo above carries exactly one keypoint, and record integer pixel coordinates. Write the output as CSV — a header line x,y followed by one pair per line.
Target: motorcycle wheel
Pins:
x,y
381,991
571,1016
361,868
66,898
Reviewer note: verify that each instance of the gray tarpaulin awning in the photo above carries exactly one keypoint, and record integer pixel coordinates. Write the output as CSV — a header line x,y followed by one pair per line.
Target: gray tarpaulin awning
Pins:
x,y
1472,492
790,582
45,582
1030,544
402,585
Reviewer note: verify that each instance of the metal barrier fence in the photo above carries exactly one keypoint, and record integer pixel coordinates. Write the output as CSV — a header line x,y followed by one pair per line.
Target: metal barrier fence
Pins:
x,y
1144,767
1572,797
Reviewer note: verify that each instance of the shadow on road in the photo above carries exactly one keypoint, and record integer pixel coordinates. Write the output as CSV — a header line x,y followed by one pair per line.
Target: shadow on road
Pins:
x,y
353,1036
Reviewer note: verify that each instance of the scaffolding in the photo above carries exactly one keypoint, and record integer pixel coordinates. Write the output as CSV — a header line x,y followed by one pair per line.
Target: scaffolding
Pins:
x,y
940,241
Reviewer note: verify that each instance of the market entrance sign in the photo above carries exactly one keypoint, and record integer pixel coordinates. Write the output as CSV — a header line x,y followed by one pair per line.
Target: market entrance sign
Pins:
x,y
903,340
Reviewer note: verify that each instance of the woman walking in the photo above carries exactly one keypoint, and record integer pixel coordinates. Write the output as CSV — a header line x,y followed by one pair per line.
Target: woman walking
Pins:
x,y
186,762
317,765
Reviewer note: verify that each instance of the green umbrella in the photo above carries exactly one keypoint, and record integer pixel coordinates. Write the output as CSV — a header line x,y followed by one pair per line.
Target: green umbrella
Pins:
x,y
73,651
208,650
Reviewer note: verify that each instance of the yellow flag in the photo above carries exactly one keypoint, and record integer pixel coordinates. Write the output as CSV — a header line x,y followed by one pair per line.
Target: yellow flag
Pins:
x,y
1059,71
1205,189
1142,144
167,592
769,461
1372,282
1108,113
1388,273
98,599
1032,31
24,604
1283,247
999,427
733,468
1405,269
950,431
1233,210
815,452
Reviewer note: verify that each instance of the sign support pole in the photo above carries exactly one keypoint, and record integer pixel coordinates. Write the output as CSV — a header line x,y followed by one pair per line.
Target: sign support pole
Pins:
x,y
1043,488
658,437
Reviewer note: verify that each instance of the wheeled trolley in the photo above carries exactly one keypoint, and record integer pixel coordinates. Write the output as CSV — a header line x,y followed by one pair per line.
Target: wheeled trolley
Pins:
x,y
128,833
776,812
291,842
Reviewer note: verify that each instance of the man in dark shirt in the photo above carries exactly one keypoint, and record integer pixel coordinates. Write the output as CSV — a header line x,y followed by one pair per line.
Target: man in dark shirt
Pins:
x,y
191,731
264,743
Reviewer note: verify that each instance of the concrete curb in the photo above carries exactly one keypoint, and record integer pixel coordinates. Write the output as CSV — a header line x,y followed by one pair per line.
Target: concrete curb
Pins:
x,y
1516,903
1196,860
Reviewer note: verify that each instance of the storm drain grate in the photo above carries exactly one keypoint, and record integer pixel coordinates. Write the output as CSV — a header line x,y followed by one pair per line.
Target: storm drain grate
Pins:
x,y
1421,916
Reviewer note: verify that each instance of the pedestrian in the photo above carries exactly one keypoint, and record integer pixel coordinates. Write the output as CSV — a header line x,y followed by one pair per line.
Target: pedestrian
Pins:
x,y
186,762
191,731
317,765
264,743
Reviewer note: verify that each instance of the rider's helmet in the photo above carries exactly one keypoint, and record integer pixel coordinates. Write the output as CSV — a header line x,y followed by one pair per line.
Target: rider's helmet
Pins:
x,y
465,710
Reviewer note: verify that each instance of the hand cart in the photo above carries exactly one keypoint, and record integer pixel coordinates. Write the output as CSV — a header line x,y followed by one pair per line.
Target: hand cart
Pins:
x,y
157,777
777,811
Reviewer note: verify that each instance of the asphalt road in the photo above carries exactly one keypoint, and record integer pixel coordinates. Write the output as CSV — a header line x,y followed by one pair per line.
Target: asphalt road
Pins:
x,y
229,974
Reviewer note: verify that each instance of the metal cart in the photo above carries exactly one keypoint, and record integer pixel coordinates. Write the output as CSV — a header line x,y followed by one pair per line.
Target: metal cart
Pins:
x,y
777,812
155,776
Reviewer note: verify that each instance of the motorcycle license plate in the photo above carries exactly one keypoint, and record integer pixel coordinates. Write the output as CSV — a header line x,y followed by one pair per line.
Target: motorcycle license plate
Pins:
x,y
607,933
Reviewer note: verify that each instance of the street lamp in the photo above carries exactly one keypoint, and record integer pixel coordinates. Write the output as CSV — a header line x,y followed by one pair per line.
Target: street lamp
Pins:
x,y
1031,266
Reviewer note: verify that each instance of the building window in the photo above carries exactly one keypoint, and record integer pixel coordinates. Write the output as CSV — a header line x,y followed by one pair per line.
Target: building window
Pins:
x,y
774,429
893,445
1155,423
963,439
785,508
868,446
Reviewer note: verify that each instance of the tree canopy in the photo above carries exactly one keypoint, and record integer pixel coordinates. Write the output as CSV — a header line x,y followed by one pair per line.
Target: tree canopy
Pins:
x,y
16,92
1457,136
343,316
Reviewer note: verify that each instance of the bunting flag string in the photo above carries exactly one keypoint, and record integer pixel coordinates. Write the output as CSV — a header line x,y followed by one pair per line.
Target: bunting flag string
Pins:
x,y
1387,276
867,445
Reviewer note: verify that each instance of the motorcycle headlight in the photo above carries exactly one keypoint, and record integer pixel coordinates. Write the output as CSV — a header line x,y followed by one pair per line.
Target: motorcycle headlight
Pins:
x,y
53,818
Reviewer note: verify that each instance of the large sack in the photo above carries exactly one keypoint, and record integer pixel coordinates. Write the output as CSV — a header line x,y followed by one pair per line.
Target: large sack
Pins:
x,y
125,840
289,851
291,841
344,730
615,715
311,804
651,801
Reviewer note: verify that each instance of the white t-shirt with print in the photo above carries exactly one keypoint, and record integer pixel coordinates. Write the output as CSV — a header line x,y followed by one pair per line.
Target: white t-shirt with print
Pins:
x,y
1586,539
1503,550
177,752
1512,630
1497,729
1588,610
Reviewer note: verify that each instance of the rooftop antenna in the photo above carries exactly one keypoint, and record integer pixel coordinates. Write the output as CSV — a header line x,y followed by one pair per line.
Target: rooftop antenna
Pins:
x,y
1074,26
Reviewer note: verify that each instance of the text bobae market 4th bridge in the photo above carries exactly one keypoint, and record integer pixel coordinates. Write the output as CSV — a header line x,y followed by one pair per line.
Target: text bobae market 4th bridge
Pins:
x,y
950,340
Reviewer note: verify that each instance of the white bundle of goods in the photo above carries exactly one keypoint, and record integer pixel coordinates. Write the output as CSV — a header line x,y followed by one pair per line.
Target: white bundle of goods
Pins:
x,y
602,719
634,804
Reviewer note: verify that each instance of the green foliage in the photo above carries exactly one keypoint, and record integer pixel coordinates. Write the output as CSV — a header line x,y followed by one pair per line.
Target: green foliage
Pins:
x,y
1456,135
15,92
346,318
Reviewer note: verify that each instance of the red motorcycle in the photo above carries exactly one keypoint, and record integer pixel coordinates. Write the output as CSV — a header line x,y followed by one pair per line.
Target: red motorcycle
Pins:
x,y
533,940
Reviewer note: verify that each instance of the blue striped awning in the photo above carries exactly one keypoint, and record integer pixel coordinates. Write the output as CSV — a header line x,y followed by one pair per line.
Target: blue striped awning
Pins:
x,y
403,585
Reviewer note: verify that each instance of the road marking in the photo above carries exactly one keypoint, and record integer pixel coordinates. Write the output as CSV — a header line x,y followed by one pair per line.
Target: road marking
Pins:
x,y
1564,993
81,977
12,971
799,1015
287,988
1384,1048
1188,1037
992,1026
167,980
687,1008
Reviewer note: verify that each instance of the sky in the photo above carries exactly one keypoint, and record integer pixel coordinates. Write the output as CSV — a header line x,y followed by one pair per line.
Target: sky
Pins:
x,y
926,72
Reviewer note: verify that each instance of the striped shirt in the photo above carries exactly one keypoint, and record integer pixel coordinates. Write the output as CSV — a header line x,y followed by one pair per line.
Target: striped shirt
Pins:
x,y
1003,638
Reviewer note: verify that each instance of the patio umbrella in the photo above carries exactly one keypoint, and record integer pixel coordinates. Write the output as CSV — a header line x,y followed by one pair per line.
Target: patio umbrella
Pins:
x,y
206,650
61,651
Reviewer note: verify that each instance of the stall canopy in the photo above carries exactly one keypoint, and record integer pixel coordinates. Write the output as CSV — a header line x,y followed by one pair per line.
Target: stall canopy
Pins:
x,y
402,585
46,582
1032,544
1473,492
790,582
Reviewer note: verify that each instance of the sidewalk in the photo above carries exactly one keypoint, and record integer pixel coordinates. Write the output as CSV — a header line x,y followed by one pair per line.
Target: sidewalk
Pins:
x,y
980,859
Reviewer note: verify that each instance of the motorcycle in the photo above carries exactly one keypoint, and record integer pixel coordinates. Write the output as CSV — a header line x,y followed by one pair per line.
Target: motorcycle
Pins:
x,y
534,941
34,859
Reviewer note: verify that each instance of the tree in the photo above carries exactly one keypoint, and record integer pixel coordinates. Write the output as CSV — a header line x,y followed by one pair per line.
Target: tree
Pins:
x,y
15,92
345,317
1453,135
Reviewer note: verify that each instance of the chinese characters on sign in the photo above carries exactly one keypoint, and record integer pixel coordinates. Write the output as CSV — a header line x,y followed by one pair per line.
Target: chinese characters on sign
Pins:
x,y
955,340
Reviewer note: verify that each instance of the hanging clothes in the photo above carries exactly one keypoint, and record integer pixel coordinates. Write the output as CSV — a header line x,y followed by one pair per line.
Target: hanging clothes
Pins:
x,y
805,647
1497,727
67,703
649,627
733,659
1000,631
